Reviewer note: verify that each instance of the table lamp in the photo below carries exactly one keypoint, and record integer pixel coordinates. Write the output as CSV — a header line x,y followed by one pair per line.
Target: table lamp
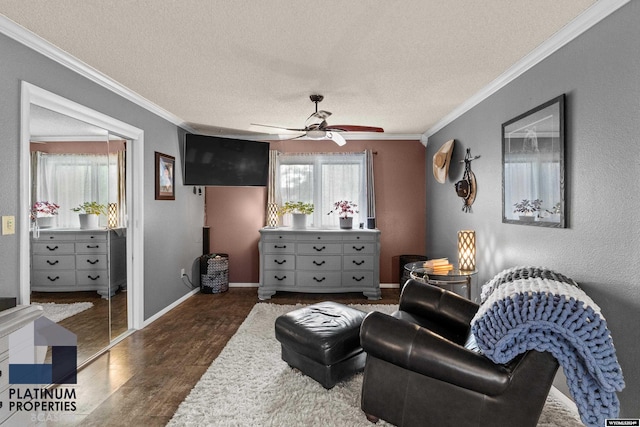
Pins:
x,y
466,250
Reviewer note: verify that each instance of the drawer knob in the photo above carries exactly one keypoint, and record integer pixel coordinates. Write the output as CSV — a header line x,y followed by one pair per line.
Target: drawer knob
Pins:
x,y
93,247
358,263
319,263
52,262
320,249
279,262
280,247
357,279
52,248
280,278
53,279
358,249
94,278
319,280
93,262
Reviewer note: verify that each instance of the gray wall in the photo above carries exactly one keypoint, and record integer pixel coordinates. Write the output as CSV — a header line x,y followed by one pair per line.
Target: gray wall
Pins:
x,y
172,228
599,71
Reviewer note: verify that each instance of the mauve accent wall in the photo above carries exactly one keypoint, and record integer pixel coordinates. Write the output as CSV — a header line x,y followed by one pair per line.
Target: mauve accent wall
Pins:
x,y
235,214
600,249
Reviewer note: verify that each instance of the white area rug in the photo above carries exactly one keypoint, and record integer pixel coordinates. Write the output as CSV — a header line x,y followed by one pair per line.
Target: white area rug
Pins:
x,y
57,312
249,385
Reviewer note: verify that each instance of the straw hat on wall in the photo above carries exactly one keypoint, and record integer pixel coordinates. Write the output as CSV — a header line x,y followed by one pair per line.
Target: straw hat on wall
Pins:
x,y
441,161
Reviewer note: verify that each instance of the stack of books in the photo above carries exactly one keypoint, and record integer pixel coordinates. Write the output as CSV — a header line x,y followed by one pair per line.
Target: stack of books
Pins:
x,y
438,266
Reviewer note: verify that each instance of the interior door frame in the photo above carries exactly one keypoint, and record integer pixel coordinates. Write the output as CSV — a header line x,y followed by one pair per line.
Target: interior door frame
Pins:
x,y
31,94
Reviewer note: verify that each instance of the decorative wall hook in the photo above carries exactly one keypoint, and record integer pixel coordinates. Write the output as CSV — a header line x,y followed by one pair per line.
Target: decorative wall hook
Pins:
x,y
466,187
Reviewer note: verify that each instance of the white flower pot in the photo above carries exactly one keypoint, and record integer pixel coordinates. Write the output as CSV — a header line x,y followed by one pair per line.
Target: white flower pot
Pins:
x,y
346,223
299,221
46,221
88,221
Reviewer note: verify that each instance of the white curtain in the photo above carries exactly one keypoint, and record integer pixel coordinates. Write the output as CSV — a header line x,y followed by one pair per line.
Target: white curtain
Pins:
x,y
323,179
72,179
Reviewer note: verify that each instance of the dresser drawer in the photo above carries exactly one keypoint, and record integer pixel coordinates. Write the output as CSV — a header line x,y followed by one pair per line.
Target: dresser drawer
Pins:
x,y
320,263
53,263
358,262
91,248
92,237
360,237
359,248
53,237
279,278
278,237
279,247
357,278
280,262
318,237
53,278
89,277
319,248
53,248
91,262
315,278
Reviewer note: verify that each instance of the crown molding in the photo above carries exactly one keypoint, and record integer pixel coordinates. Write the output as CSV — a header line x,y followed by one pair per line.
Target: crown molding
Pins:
x,y
40,45
587,19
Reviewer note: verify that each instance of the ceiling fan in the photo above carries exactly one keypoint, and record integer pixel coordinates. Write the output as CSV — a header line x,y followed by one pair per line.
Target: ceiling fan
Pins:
x,y
316,126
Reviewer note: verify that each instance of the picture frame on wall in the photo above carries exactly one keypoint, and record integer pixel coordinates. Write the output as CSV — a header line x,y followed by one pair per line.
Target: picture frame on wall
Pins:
x,y
165,177
533,167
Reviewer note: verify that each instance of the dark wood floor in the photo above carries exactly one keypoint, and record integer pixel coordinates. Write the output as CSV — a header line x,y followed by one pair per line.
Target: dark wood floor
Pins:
x,y
94,327
142,380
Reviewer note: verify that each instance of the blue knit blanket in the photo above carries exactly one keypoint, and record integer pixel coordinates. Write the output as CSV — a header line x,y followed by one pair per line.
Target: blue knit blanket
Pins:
x,y
530,308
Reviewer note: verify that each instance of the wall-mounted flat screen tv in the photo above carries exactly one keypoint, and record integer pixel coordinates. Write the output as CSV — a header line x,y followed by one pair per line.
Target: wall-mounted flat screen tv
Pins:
x,y
216,161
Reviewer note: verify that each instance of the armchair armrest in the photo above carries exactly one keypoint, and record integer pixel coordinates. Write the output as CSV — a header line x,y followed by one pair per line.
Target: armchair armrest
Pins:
x,y
419,350
435,304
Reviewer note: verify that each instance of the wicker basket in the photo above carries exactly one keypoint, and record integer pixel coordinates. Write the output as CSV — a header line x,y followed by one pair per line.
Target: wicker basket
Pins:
x,y
214,273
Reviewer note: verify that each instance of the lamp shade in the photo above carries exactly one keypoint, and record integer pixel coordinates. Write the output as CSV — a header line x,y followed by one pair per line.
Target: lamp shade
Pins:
x,y
466,250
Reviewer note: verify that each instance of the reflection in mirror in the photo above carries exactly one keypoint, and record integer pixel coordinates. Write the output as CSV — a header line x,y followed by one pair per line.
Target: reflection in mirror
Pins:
x,y
533,167
74,164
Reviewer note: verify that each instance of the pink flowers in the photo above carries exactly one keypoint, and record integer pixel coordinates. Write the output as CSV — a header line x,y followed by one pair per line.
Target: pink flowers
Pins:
x,y
344,208
41,209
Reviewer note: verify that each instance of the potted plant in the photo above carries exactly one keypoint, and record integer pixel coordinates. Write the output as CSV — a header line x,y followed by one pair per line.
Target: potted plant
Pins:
x,y
344,208
299,211
526,209
43,213
89,214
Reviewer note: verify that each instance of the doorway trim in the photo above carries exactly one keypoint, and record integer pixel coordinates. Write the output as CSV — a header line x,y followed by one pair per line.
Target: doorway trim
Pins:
x,y
31,94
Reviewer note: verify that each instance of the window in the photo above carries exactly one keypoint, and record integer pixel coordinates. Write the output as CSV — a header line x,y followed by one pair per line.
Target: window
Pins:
x,y
323,179
72,179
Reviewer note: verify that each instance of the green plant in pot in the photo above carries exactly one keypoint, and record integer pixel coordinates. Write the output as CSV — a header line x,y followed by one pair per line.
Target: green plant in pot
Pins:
x,y
89,214
526,209
299,211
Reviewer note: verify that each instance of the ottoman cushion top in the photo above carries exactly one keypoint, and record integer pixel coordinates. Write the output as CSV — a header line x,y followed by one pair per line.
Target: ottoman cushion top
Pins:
x,y
326,332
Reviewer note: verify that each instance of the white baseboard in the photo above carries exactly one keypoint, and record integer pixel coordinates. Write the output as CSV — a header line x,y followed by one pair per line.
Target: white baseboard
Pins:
x,y
168,308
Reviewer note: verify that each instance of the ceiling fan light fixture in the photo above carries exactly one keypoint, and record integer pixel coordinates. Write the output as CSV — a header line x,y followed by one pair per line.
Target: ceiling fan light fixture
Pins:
x,y
316,134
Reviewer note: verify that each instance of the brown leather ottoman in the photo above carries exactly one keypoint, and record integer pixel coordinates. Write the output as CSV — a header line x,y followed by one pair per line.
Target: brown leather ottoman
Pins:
x,y
322,341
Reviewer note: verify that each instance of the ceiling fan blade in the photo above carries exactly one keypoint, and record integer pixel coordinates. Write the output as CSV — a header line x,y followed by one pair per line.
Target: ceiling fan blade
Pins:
x,y
337,138
354,128
278,127
322,114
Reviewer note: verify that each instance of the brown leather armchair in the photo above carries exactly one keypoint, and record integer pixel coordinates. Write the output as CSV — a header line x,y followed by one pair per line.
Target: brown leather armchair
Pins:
x,y
422,368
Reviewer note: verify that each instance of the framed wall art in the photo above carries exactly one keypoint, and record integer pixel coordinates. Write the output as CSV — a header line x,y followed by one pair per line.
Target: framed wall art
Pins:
x,y
533,167
165,177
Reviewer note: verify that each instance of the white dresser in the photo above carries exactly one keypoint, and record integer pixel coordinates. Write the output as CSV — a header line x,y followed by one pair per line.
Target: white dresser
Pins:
x,y
319,261
67,260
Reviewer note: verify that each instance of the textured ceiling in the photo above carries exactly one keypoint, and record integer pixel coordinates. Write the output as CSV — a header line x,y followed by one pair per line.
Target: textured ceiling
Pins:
x,y
218,65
